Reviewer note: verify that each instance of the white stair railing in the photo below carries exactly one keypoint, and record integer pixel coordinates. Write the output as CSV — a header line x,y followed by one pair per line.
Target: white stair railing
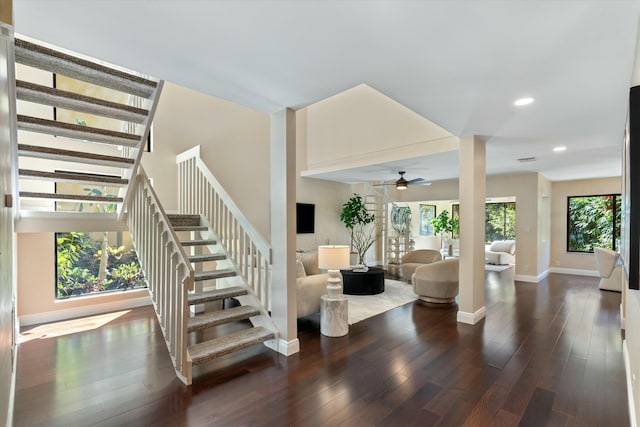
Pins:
x,y
166,266
202,194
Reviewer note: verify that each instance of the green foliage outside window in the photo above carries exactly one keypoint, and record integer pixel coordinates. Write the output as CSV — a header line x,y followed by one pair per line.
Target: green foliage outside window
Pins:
x,y
500,221
79,258
593,221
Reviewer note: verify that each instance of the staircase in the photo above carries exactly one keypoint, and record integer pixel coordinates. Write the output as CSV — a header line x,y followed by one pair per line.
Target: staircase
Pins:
x,y
67,165
209,259
74,170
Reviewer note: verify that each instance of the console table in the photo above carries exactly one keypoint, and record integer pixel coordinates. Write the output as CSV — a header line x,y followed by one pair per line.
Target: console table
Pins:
x,y
363,283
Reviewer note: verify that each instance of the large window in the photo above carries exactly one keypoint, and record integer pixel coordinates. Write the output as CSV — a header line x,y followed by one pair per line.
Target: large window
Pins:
x,y
593,221
89,263
500,221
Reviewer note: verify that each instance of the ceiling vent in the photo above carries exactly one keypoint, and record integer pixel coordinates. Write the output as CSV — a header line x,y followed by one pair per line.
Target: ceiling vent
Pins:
x,y
527,159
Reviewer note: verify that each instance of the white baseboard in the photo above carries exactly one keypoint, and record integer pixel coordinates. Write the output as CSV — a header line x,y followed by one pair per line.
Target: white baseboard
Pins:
x,y
284,347
631,401
12,390
89,310
543,275
574,271
472,318
524,278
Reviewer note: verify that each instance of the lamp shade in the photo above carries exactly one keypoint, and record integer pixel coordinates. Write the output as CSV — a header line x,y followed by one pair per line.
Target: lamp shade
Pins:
x,y
333,257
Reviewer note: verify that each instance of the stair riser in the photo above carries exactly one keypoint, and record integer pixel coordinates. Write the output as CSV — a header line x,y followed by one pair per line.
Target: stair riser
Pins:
x,y
227,349
216,295
73,156
69,178
77,134
184,220
56,62
244,314
213,276
38,97
68,197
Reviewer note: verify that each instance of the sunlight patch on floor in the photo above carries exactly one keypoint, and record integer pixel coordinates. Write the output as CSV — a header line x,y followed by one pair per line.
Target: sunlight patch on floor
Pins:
x,y
67,327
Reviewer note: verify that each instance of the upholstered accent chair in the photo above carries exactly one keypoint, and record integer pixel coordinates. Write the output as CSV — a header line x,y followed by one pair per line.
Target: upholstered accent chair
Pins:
x,y
608,268
311,282
437,282
414,259
501,252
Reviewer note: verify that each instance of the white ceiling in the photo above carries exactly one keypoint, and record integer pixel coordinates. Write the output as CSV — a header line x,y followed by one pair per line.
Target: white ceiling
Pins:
x,y
460,64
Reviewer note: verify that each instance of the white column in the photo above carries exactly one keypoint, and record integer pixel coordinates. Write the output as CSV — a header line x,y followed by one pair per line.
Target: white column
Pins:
x,y
283,232
471,308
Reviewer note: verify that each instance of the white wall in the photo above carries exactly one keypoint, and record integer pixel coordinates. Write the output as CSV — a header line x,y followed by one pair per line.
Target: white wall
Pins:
x,y
328,196
361,126
234,144
7,259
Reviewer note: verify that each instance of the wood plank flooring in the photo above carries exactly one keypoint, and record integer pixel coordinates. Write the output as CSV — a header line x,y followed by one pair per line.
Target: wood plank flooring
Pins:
x,y
546,355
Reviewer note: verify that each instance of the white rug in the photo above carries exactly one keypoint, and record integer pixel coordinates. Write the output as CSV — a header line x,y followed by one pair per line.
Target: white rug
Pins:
x,y
395,294
498,268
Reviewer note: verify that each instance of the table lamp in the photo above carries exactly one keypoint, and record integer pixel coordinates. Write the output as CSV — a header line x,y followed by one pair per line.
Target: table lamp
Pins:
x,y
334,258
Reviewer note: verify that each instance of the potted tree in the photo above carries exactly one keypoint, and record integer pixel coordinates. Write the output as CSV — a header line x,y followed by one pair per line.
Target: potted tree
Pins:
x,y
447,228
359,221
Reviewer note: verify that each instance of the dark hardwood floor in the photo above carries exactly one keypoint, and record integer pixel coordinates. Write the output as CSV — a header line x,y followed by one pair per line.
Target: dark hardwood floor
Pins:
x,y
546,355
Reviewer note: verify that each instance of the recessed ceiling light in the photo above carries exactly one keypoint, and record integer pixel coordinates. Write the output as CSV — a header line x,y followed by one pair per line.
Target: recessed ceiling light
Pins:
x,y
557,149
523,101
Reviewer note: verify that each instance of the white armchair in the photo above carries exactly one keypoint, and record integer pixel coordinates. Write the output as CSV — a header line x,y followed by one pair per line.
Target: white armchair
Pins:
x,y
501,252
610,272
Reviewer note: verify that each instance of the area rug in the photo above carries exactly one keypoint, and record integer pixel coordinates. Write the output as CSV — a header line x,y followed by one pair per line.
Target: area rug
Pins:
x,y
498,268
395,294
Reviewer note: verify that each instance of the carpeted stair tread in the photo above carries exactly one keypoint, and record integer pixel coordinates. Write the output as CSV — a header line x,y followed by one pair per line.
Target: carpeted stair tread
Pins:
x,y
214,274
215,295
190,228
71,197
221,346
204,242
57,62
206,258
208,320
53,97
73,156
69,130
74,177
184,219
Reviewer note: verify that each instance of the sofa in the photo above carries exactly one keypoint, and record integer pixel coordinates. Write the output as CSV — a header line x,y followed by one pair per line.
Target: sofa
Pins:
x,y
437,282
414,259
311,283
501,252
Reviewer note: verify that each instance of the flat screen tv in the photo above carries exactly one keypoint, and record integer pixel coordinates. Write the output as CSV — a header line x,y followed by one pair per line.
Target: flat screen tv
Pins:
x,y
305,218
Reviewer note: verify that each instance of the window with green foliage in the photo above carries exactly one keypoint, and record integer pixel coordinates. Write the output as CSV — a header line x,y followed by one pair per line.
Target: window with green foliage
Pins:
x,y
593,221
500,221
89,263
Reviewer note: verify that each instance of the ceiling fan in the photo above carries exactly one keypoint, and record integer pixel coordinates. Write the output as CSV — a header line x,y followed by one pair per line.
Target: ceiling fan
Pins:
x,y
402,184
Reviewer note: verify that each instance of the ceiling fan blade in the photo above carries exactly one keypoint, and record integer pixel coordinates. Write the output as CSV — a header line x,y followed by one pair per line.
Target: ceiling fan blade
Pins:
x,y
415,180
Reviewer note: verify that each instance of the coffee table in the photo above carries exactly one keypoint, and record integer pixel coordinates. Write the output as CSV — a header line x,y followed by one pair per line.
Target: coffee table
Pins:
x,y
363,283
